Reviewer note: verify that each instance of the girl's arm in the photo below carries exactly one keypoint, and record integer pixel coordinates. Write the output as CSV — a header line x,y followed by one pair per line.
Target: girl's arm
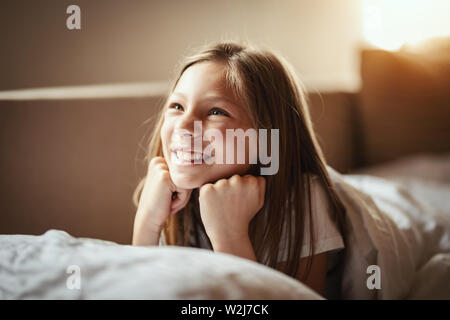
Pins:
x,y
226,209
243,248
240,247
156,203
317,273
144,233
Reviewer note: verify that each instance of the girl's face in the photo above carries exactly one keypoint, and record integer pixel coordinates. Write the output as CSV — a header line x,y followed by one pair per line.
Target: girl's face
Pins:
x,y
200,95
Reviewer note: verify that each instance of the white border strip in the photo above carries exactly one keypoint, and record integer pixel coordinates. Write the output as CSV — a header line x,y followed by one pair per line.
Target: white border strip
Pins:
x,y
144,89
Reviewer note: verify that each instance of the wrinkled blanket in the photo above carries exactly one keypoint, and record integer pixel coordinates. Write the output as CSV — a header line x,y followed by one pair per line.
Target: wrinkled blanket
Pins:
x,y
56,265
401,226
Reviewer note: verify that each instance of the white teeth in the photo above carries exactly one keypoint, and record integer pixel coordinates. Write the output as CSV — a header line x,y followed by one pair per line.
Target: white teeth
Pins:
x,y
188,156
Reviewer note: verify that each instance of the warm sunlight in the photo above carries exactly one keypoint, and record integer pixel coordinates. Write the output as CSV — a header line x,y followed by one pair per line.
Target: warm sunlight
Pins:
x,y
389,24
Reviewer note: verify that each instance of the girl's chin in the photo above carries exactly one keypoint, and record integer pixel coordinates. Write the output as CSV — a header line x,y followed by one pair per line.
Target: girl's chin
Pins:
x,y
190,178
187,183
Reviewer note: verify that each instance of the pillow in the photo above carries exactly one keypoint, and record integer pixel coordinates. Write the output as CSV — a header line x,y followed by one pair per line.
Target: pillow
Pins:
x,y
332,115
405,101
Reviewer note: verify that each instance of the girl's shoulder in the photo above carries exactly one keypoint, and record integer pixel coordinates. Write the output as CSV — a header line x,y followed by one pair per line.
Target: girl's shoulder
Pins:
x,y
318,190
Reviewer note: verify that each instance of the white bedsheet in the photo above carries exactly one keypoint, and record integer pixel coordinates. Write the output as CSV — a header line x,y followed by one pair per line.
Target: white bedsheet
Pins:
x,y
405,228
406,236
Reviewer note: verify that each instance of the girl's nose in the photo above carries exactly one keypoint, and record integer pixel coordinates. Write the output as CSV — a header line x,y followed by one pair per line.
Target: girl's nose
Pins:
x,y
185,123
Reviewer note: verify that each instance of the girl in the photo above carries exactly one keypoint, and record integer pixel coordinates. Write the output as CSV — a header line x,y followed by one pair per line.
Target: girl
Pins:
x,y
292,220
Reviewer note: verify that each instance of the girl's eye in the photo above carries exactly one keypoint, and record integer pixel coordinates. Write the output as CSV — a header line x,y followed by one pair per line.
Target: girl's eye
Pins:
x,y
177,107
218,112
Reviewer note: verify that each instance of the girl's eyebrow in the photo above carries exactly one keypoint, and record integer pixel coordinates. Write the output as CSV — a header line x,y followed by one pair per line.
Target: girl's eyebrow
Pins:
x,y
219,98
208,98
181,95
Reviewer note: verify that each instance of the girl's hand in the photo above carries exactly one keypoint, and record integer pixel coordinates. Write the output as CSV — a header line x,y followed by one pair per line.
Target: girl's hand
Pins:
x,y
228,206
159,198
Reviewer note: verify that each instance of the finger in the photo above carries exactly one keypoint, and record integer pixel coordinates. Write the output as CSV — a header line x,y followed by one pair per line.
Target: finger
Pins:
x,y
172,185
208,187
223,182
162,166
235,178
156,160
251,179
180,201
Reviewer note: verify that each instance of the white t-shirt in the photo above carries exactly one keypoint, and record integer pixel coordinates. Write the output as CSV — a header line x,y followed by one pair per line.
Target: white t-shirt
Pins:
x,y
326,236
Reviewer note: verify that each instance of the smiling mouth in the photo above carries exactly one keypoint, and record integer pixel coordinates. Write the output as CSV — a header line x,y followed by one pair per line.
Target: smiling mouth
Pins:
x,y
189,158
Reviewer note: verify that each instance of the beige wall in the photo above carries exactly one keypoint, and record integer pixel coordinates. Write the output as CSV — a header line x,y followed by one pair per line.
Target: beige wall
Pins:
x,y
140,41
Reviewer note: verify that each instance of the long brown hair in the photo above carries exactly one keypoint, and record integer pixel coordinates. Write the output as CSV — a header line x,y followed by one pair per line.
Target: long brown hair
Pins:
x,y
267,87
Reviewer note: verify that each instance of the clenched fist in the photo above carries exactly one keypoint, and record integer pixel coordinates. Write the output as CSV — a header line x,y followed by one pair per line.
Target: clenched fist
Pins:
x,y
159,198
228,206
